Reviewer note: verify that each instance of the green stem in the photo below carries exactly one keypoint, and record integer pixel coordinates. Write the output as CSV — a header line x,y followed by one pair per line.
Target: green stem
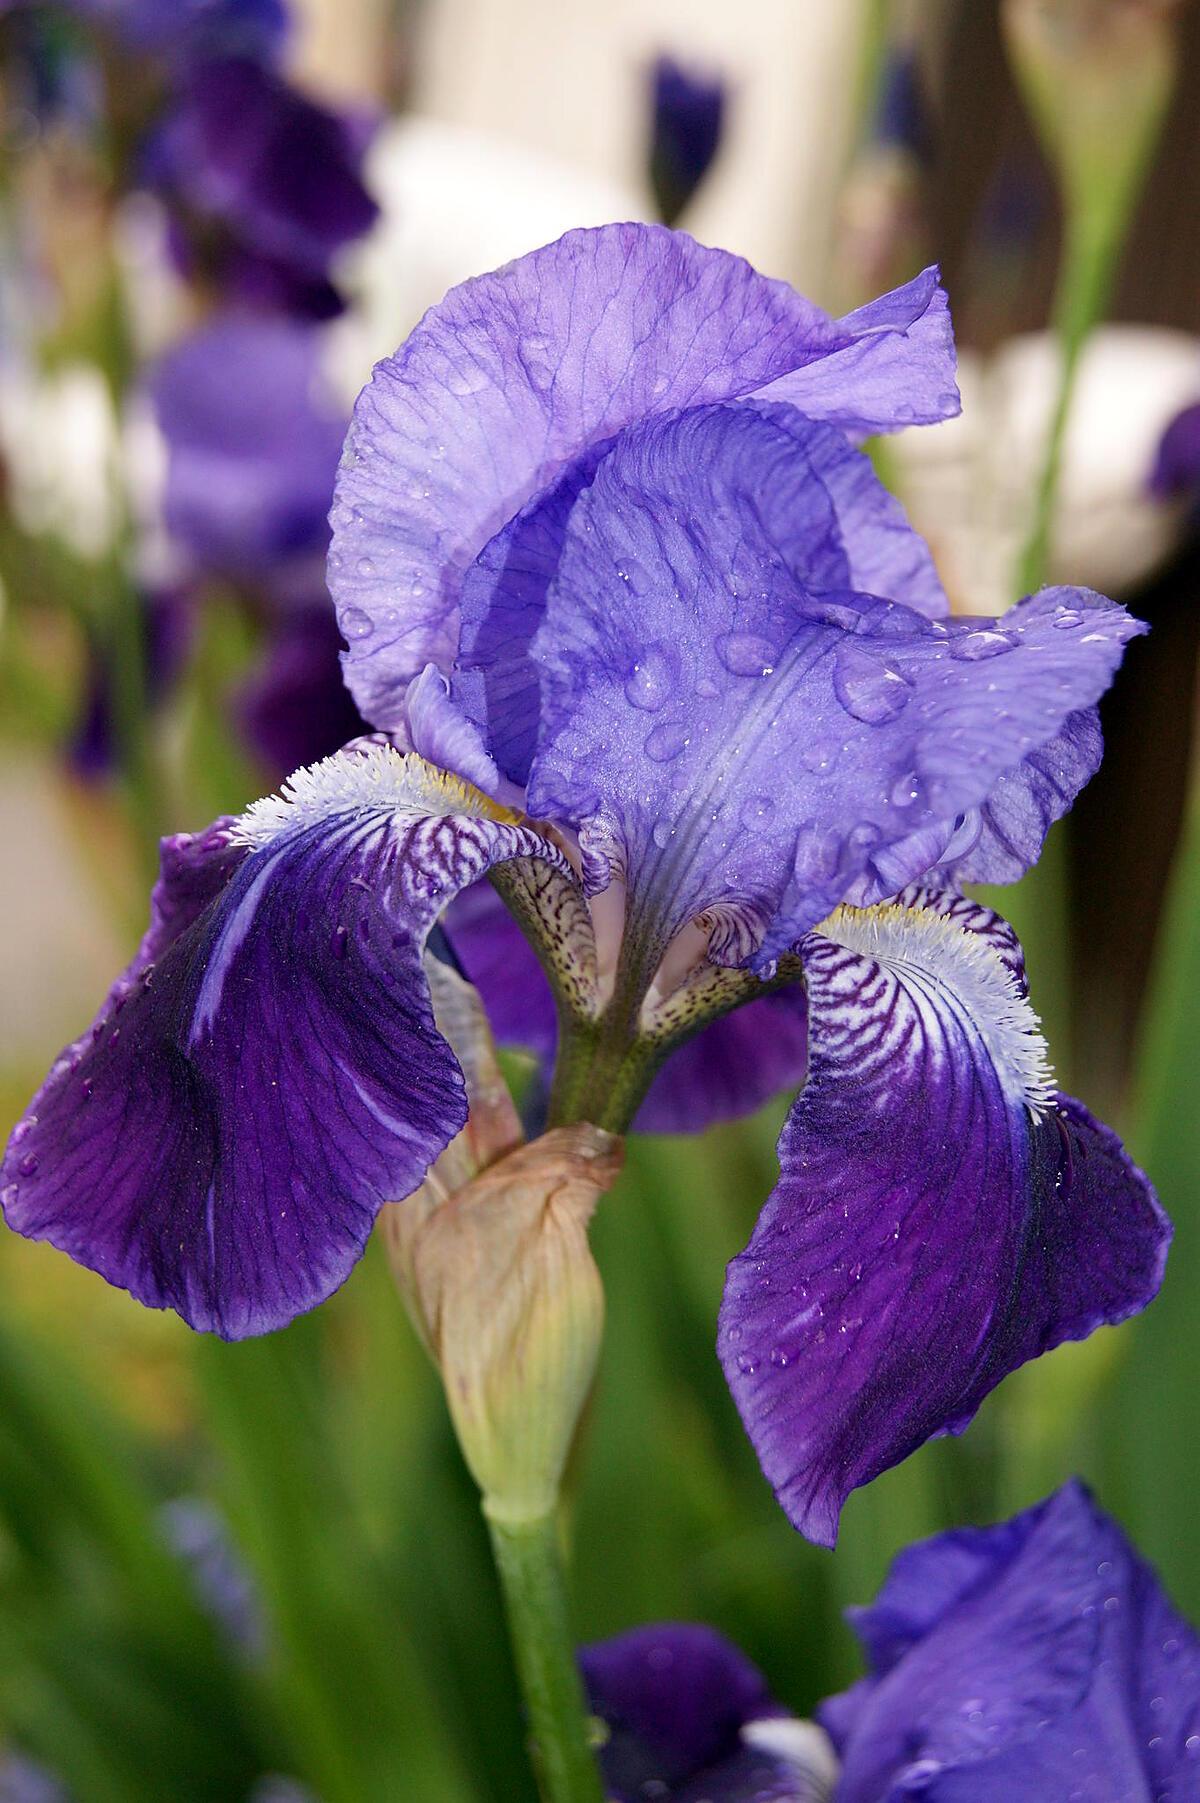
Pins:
x,y
1093,245
529,1565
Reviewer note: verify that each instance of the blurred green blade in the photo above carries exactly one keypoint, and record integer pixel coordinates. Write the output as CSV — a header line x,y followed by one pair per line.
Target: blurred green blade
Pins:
x,y
1151,1419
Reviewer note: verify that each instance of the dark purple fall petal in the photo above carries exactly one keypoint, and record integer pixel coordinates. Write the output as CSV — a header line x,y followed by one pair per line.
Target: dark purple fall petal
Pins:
x,y
519,376
267,1073
253,440
675,1698
940,1216
1038,1658
736,729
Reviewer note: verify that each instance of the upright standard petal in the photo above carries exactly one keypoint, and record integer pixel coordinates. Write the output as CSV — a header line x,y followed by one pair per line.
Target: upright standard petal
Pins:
x,y
520,375
1037,1658
941,1215
847,532
267,1073
740,732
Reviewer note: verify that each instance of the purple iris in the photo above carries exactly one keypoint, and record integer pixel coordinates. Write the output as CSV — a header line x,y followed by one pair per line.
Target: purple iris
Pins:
x,y
253,437
1035,1659
265,185
644,637
1176,472
688,111
680,1708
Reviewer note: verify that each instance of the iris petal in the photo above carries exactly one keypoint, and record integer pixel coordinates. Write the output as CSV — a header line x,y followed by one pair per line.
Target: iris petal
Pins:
x,y
939,1219
267,1073
736,728
520,373
1036,1658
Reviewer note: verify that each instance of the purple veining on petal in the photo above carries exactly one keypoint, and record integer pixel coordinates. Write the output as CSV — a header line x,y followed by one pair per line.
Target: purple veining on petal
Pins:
x,y
935,1223
1036,1658
734,727
267,1073
518,375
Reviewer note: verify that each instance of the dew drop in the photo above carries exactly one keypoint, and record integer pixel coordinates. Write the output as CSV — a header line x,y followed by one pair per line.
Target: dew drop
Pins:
x,y
747,1364
666,742
905,790
707,689
756,810
8,1195
341,942
662,834
365,566
869,689
28,1165
649,682
356,624
470,380
973,647
746,653
1066,619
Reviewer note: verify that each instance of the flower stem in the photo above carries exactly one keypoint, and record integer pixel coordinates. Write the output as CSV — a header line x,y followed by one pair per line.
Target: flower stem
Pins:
x,y
529,1565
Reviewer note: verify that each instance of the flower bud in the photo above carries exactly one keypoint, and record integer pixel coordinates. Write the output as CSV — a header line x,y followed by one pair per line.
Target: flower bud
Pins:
x,y
502,1281
1096,76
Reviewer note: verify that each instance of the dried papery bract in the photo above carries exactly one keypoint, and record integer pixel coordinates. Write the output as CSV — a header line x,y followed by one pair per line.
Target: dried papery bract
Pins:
x,y
510,1303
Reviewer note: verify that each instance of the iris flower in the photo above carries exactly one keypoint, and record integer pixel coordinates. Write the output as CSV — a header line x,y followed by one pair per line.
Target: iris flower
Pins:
x,y
642,636
252,436
687,115
1037,1658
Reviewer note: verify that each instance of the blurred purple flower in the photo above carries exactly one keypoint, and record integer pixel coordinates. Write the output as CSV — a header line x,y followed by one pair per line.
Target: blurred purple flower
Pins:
x,y
167,622
195,1530
1176,472
603,550
901,117
1038,1658
676,1701
180,30
25,1780
265,185
688,111
295,708
253,437
1035,1659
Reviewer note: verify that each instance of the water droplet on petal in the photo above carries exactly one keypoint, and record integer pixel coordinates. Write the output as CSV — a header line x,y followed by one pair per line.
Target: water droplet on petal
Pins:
x,y
972,647
1066,618
356,624
365,566
817,855
28,1165
666,742
869,688
746,653
649,682
905,790
756,810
